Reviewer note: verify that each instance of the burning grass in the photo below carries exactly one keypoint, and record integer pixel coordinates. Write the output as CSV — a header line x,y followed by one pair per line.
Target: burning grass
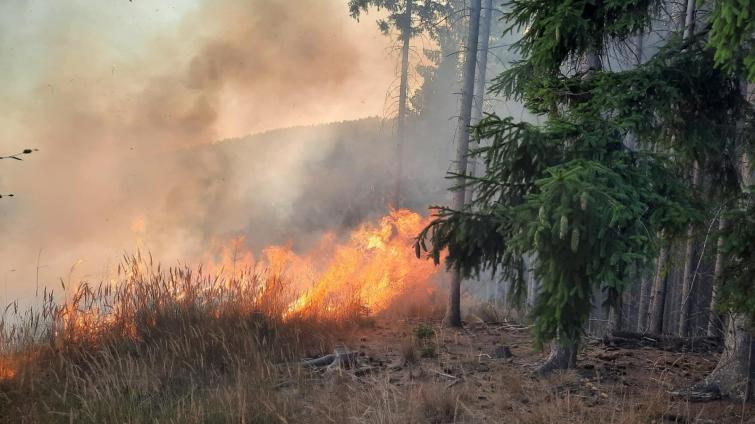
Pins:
x,y
165,344
202,345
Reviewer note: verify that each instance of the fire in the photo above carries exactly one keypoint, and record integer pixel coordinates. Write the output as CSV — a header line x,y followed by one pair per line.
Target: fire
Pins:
x,y
374,268
370,271
7,370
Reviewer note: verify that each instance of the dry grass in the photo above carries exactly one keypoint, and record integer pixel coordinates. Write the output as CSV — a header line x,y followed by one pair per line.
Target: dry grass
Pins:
x,y
409,351
178,346
159,345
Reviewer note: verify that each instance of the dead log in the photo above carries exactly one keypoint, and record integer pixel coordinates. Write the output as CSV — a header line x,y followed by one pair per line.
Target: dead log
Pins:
x,y
341,358
629,340
697,394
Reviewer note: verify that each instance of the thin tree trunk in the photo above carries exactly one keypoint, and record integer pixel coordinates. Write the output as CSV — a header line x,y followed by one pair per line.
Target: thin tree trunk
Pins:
x,y
659,289
640,48
642,308
687,275
689,19
486,15
453,312
644,295
714,319
615,318
406,35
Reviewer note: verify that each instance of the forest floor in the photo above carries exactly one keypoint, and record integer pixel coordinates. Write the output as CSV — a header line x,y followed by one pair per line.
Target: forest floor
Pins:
x,y
234,365
418,370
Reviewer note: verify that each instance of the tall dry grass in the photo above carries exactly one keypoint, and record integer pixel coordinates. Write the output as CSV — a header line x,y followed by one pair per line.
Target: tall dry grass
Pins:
x,y
160,345
179,345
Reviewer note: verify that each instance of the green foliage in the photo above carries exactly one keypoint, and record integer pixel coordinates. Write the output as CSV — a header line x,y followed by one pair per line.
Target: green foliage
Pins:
x,y
423,332
677,101
428,351
424,14
586,193
737,291
555,31
424,335
732,35
570,195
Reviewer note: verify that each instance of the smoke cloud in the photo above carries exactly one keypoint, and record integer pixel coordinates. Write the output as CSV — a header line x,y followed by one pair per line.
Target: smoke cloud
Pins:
x,y
124,101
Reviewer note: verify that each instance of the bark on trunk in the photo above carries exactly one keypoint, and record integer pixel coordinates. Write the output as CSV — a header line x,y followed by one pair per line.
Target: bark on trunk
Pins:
x,y
561,357
659,290
615,319
486,15
731,377
687,276
714,318
406,35
642,308
689,19
644,295
453,312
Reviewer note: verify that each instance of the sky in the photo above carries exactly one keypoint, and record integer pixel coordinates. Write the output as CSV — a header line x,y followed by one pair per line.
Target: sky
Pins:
x,y
102,88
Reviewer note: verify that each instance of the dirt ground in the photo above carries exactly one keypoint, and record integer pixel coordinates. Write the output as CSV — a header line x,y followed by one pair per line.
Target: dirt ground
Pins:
x,y
466,375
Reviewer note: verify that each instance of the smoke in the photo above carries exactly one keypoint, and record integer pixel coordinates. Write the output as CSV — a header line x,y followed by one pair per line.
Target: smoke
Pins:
x,y
124,101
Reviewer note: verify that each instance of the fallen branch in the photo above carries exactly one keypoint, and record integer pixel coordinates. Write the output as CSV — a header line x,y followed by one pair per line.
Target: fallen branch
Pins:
x,y
669,343
341,358
442,374
696,394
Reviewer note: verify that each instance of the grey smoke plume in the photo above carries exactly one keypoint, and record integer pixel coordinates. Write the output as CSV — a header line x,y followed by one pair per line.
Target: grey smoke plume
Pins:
x,y
122,101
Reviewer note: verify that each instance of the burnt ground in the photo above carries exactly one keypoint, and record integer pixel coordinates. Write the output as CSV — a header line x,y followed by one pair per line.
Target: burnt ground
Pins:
x,y
425,373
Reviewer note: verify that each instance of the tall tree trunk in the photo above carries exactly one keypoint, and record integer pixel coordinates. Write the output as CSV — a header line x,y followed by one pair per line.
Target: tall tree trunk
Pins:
x,y
406,36
687,276
453,312
563,353
714,319
689,19
659,289
643,301
642,308
688,23
731,377
615,316
486,16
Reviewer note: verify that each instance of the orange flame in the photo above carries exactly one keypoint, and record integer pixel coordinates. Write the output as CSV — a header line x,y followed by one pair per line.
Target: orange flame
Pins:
x,y
7,370
373,269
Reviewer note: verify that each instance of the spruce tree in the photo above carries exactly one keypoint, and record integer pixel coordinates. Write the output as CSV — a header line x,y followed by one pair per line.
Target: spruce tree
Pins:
x,y
569,192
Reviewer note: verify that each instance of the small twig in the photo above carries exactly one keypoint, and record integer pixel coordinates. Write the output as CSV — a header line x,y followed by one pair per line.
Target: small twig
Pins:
x,y
442,374
453,383
17,156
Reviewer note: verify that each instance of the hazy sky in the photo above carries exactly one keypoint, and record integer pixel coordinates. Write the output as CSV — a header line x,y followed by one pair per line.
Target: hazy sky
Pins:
x,y
114,49
100,87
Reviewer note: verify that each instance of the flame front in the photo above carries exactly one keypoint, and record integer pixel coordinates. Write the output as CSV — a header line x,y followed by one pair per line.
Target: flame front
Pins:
x,y
374,268
371,271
